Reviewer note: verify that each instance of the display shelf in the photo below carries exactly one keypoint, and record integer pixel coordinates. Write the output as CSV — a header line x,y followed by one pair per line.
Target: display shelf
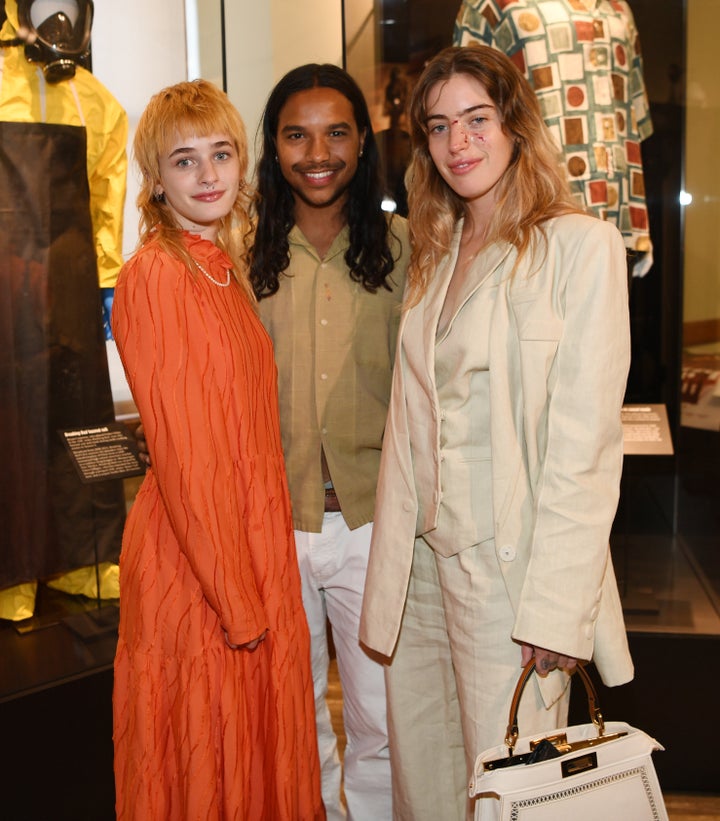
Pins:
x,y
51,648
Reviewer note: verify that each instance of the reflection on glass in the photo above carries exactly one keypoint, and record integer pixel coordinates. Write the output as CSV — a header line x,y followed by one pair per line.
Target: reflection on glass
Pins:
x,y
387,44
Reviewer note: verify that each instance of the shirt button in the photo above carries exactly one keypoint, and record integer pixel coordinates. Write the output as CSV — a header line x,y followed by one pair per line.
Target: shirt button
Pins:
x,y
323,321
508,553
324,431
323,376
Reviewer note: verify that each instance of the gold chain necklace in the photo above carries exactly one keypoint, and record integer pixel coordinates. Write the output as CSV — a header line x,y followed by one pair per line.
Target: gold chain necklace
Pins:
x,y
212,279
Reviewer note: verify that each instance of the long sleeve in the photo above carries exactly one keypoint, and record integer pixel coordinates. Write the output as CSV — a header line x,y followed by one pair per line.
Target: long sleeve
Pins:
x,y
576,461
107,177
172,338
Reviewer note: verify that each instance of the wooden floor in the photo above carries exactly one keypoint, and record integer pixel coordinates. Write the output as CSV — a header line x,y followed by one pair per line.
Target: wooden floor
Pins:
x,y
689,807
680,806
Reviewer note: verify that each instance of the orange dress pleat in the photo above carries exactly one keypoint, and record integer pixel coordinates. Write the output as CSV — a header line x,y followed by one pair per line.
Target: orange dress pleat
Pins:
x,y
202,731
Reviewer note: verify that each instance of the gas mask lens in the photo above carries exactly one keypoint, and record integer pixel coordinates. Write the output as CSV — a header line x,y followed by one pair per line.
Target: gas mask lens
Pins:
x,y
58,34
55,22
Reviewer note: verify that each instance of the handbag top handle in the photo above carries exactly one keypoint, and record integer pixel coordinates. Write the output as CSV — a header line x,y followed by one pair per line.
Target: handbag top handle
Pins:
x,y
512,733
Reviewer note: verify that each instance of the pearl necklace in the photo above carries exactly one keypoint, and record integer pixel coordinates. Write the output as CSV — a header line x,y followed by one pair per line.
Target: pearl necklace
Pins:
x,y
212,279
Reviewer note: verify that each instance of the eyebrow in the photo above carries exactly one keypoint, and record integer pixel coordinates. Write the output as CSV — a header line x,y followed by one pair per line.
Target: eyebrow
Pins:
x,y
332,127
188,150
461,113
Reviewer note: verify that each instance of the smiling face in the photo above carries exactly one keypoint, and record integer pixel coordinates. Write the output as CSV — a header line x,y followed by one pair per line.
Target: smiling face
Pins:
x,y
466,140
200,178
318,145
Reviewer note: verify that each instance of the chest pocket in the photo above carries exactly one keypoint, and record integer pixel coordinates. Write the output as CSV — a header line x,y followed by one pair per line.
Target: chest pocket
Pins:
x,y
536,317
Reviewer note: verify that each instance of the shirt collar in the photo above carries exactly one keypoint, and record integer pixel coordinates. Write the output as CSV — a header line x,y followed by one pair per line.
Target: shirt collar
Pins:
x,y
339,245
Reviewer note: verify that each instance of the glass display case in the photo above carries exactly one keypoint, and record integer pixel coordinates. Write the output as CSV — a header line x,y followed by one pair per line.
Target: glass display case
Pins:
x,y
665,542
675,306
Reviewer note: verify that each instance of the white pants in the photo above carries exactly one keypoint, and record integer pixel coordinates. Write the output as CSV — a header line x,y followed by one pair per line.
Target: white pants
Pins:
x,y
451,681
333,566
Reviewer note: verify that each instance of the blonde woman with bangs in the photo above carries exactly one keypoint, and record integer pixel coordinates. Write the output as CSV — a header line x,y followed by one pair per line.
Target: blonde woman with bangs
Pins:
x,y
213,700
503,448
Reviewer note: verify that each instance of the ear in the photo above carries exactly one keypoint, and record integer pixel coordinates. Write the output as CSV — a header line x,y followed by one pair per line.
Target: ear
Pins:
x,y
363,134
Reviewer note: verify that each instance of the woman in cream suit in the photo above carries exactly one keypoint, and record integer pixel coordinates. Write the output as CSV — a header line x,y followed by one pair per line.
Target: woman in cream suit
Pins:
x,y
503,448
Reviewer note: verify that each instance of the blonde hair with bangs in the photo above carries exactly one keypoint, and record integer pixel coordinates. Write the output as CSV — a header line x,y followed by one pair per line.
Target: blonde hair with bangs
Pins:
x,y
533,189
196,108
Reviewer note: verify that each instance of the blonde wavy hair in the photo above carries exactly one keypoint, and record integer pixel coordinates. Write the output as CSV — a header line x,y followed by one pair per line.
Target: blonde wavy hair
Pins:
x,y
532,189
196,108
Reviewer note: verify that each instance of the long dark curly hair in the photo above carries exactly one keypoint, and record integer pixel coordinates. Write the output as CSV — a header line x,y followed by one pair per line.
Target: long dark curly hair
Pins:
x,y
369,257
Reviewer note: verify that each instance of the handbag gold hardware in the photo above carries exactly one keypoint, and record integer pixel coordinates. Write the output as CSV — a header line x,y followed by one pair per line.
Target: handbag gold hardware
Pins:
x,y
559,741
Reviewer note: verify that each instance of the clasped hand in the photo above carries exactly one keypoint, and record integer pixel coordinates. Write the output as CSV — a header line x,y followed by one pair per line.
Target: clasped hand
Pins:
x,y
547,660
250,645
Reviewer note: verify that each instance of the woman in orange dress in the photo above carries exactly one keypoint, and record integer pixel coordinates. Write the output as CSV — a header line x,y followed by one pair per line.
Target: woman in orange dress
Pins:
x,y
213,701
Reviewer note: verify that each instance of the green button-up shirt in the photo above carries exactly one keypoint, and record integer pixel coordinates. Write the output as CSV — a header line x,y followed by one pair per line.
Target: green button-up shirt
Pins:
x,y
334,348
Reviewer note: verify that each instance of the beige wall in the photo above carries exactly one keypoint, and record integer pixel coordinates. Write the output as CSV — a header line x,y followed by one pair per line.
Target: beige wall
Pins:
x,y
702,165
267,39
363,60
264,40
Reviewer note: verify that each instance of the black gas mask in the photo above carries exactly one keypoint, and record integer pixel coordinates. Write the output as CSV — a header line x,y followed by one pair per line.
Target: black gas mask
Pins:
x,y
56,34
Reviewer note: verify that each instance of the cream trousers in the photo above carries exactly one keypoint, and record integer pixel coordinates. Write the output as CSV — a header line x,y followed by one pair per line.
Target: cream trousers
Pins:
x,y
450,683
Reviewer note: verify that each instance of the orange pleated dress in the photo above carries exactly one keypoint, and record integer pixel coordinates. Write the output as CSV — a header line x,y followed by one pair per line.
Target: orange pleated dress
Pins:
x,y
203,731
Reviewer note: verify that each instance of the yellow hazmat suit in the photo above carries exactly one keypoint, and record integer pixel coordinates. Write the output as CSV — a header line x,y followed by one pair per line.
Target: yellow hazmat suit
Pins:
x,y
25,96
84,100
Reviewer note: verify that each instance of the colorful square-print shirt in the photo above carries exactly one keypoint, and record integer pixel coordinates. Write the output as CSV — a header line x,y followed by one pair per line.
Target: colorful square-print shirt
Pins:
x,y
582,58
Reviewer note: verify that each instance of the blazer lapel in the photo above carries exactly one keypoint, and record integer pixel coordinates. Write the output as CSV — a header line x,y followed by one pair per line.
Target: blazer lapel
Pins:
x,y
481,268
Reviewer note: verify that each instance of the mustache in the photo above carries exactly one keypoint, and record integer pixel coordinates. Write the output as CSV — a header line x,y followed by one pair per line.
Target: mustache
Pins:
x,y
316,168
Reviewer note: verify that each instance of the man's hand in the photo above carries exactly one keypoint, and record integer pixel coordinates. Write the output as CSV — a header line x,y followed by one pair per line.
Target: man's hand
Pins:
x,y
547,660
141,442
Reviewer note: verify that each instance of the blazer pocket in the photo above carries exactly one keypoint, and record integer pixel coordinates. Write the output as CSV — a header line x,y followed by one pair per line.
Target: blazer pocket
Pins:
x,y
535,315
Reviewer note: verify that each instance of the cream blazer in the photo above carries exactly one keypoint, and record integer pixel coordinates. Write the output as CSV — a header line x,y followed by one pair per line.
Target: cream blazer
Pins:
x,y
559,358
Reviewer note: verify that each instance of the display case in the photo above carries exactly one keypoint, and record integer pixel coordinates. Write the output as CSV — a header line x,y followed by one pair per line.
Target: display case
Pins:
x,y
665,542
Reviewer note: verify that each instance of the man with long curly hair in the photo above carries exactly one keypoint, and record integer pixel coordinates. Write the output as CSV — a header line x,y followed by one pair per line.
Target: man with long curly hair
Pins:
x,y
329,267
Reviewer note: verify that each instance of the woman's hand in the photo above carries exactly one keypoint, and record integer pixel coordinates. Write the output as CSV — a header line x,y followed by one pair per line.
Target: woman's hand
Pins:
x,y
250,645
547,660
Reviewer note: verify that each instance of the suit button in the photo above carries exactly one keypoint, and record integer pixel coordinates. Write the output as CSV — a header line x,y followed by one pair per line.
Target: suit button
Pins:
x,y
508,553
407,506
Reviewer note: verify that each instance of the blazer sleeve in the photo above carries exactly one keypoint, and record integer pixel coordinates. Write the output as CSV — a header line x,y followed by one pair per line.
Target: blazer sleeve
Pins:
x,y
576,492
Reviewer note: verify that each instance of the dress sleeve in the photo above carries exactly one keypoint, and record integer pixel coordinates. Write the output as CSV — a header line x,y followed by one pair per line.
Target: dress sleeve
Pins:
x,y
175,351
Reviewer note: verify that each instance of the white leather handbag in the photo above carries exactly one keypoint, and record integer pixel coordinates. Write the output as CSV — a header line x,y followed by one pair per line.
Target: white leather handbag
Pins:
x,y
589,772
